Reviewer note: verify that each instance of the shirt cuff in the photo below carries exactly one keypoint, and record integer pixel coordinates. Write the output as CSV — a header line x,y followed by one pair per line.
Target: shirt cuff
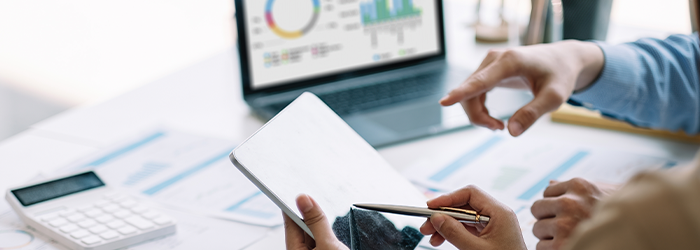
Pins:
x,y
613,89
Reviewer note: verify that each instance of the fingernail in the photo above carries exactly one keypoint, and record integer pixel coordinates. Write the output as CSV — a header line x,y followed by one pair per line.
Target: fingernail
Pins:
x,y
443,99
305,204
515,128
432,241
437,220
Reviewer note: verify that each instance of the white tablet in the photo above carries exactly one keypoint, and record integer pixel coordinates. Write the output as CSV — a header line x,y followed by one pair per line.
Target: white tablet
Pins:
x,y
308,149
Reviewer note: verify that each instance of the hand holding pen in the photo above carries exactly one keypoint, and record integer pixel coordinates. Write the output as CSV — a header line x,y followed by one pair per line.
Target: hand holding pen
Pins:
x,y
501,232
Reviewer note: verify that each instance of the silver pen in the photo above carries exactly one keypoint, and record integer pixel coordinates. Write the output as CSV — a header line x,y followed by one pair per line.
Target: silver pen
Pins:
x,y
462,215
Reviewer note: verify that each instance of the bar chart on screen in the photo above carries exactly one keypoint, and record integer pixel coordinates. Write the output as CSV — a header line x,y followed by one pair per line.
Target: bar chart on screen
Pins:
x,y
295,39
185,171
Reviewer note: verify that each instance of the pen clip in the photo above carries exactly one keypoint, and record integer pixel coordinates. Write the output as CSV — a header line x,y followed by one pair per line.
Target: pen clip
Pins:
x,y
463,211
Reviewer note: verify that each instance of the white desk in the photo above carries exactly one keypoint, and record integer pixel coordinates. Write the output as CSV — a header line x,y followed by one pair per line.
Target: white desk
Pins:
x,y
205,99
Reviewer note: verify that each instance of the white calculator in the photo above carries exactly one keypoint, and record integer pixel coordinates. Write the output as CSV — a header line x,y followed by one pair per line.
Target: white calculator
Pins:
x,y
81,212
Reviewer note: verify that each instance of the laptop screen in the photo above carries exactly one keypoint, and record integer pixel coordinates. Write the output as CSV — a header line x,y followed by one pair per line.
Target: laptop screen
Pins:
x,y
293,40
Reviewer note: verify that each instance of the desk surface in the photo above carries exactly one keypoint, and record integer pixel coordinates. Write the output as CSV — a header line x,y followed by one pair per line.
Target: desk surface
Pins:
x,y
205,99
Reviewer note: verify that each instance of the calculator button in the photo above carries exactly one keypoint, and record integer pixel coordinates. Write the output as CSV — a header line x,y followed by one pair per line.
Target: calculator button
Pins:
x,y
116,224
76,218
97,229
150,214
139,209
111,208
127,230
104,218
110,195
116,196
85,208
93,213
122,213
67,212
139,223
69,228
162,220
109,235
58,222
128,203
102,203
49,217
91,240
119,198
80,234
87,223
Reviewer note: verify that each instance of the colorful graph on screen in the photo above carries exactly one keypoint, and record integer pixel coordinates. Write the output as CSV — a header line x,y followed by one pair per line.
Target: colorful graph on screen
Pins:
x,y
378,11
290,34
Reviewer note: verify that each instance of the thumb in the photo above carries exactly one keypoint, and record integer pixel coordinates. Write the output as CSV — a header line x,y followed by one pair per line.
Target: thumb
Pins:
x,y
315,219
454,232
547,100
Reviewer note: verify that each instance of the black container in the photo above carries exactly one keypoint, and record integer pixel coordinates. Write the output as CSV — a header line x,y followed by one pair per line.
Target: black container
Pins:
x,y
586,19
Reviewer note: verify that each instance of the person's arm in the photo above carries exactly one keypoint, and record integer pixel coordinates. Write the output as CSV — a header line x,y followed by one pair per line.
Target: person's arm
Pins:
x,y
654,210
649,83
551,71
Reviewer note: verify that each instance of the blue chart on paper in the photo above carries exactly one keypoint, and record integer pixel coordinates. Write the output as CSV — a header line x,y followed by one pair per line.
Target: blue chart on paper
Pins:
x,y
544,182
465,159
148,169
155,189
187,171
124,150
238,208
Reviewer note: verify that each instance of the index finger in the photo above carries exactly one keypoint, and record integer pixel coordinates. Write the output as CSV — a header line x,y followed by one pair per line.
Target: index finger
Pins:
x,y
478,83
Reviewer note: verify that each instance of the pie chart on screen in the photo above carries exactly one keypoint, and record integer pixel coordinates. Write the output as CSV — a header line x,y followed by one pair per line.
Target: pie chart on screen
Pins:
x,y
14,239
291,19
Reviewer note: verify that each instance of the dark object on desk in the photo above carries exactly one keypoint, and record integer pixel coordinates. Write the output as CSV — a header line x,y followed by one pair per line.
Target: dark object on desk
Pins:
x,y
555,20
586,19
369,230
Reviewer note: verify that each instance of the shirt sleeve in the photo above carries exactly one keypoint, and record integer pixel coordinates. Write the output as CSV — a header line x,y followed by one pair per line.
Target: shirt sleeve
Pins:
x,y
649,83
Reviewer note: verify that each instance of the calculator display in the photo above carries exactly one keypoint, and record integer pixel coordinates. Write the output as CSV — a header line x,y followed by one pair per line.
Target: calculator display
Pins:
x,y
57,188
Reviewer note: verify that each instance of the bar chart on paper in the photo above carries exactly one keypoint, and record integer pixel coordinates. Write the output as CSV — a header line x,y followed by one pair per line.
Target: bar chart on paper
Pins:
x,y
186,171
521,170
517,171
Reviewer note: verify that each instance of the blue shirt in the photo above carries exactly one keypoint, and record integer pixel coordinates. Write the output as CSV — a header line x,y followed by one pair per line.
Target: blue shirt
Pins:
x,y
649,83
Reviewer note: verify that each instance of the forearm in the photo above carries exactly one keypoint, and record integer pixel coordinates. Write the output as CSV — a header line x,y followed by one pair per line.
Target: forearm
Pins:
x,y
649,83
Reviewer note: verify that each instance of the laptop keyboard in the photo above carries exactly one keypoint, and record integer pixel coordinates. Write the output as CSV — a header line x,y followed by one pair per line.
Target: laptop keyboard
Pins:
x,y
371,96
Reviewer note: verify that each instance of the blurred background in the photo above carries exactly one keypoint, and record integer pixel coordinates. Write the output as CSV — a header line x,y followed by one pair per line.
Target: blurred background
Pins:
x,y
57,55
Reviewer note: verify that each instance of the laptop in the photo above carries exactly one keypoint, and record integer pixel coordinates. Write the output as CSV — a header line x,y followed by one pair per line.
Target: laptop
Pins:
x,y
379,64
